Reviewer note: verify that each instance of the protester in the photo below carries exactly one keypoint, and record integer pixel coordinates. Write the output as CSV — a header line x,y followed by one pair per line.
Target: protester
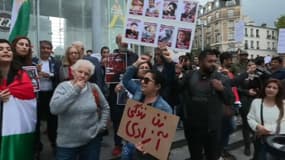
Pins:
x,y
146,92
117,110
17,107
76,102
205,93
71,55
266,116
48,76
277,68
22,48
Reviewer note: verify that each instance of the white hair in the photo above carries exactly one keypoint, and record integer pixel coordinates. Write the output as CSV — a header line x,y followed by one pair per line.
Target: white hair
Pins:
x,y
83,62
78,43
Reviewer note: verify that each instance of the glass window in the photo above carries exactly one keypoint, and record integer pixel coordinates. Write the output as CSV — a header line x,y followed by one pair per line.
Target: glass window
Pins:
x,y
257,32
230,13
246,44
257,44
251,44
246,32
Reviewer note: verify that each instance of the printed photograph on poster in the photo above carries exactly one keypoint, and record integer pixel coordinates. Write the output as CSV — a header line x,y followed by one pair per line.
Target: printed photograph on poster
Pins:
x,y
115,67
149,32
169,9
166,35
33,74
122,97
189,11
153,8
183,38
136,7
132,31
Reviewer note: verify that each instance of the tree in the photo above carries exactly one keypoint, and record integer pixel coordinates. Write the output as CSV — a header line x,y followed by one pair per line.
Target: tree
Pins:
x,y
280,23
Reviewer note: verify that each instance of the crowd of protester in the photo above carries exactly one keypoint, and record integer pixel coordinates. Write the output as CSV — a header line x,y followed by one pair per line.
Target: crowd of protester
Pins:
x,y
207,91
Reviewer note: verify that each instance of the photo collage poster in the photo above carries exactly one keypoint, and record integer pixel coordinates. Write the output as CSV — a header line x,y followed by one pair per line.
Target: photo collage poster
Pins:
x,y
156,22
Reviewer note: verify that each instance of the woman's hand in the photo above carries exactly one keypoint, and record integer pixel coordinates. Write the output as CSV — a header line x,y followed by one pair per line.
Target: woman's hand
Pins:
x,y
139,61
261,130
5,95
119,87
80,83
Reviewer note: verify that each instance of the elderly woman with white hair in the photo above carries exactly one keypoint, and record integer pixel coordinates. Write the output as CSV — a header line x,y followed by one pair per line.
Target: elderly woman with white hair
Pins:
x,y
82,114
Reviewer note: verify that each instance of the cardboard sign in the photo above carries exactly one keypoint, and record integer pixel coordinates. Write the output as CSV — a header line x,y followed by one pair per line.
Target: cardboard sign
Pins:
x,y
153,128
153,22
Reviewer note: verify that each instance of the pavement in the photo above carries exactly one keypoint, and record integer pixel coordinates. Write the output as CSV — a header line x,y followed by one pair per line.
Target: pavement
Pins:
x,y
179,150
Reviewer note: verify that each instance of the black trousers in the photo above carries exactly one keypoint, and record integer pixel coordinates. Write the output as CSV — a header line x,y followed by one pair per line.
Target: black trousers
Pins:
x,y
204,141
43,113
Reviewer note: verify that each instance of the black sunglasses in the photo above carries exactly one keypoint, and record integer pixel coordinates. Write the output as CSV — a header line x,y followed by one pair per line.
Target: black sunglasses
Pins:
x,y
146,80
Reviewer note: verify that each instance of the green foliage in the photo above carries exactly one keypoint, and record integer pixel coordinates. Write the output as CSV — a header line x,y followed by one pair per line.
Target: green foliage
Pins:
x,y
280,23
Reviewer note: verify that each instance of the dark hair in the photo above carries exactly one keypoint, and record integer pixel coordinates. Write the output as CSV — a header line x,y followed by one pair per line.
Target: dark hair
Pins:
x,y
278,98
46,42
224,56
207,52
157,77
259,61
279,59
15,66
134,23
104,47
89,50
24,60
173,4
148,63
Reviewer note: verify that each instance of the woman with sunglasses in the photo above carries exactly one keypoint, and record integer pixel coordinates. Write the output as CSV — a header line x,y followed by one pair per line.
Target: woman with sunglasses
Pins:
x,y
147,92
266,116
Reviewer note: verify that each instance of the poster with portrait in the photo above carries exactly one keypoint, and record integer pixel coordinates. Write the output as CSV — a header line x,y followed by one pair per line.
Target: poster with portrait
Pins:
x,y
188,13
115,67
166,35
183,38
149,32
170,9
33,74
132,30
163,22
153,8
136,7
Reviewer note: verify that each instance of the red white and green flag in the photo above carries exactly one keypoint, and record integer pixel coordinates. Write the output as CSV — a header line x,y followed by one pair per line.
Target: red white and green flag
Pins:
x,y
20,18
19,117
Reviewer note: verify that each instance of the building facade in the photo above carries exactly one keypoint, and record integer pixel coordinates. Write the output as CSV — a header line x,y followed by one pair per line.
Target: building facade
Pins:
x,y
216,30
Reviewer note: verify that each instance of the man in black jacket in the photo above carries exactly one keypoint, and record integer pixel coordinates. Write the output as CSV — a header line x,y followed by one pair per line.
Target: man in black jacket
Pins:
x,y
205,92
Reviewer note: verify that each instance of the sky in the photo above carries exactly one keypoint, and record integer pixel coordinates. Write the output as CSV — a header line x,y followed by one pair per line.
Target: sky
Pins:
x,y
261,11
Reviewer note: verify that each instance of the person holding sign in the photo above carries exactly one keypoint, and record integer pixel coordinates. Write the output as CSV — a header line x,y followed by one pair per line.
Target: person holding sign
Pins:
x,y
147,92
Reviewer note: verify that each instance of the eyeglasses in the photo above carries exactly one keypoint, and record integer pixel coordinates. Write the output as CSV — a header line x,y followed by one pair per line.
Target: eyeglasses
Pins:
x,y
146,80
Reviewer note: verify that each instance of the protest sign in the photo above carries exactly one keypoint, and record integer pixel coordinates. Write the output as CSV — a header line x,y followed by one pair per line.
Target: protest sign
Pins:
x,y
115,67
156,22
153,128
33,74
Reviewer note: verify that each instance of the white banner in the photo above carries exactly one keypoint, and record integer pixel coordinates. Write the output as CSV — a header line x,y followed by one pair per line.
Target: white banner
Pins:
x,y
281,41
155,22
239,31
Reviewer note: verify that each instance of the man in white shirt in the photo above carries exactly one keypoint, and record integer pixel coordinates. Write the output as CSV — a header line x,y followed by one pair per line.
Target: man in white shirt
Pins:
x,y
48,69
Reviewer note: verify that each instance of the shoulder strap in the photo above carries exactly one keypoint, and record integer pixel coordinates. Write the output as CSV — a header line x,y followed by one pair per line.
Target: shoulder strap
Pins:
x,y
95,94
261,112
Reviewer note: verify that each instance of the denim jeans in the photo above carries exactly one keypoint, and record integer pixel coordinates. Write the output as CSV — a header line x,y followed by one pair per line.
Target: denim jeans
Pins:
x,y
90,151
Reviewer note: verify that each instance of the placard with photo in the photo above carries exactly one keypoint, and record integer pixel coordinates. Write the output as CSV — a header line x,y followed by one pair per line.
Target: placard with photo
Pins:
x,y
149,32
136,7
132,31
170,8
166,35
183,38
153,8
